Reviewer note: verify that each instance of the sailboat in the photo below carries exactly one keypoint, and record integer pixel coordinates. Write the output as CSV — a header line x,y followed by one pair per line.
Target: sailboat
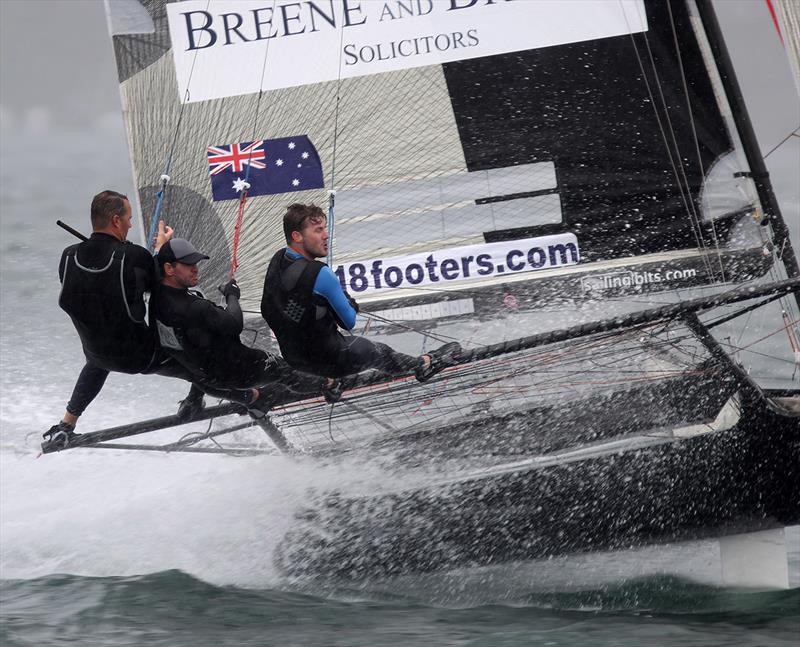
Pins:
x,y
570,190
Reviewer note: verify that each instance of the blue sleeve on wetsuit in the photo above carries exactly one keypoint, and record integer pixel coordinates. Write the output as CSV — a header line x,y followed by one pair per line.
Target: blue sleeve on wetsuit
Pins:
x,y
328,287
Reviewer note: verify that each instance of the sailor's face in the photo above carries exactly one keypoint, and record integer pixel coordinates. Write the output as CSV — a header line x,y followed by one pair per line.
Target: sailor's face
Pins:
x,y
185,275
124,222
314,238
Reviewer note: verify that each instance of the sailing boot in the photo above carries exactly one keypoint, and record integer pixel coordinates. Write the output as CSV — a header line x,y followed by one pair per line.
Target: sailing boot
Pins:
x,y
191,405
441,358
59,435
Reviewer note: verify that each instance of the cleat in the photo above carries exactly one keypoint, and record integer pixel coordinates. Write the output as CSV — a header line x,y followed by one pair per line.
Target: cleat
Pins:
x,y
441,358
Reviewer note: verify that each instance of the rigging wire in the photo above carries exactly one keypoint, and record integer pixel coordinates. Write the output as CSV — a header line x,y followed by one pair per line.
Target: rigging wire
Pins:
x,y
694,134
332,190
435,337
610,359
794,133
696,228
565,385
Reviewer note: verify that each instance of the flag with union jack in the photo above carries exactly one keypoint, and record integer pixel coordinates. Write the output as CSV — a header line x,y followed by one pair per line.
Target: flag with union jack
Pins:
x,y
268,165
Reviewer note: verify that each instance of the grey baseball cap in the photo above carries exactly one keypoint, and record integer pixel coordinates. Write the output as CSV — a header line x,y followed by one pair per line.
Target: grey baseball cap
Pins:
x,y
180,250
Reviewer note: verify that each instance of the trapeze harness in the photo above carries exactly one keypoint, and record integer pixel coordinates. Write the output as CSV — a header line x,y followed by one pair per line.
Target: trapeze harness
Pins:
x,y
307,331
96,300
205,338
174,339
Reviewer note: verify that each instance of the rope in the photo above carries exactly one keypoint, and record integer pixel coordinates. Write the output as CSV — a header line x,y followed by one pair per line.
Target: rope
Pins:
x,y
245,187
793,341
694,135
238,230
151,236
663,131
786,326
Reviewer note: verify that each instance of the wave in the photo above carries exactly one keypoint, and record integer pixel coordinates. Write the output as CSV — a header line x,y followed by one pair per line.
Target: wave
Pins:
x,y
175,590
174,608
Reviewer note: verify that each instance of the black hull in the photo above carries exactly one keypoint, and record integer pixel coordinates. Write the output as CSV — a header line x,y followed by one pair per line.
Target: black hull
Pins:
x,y
744,479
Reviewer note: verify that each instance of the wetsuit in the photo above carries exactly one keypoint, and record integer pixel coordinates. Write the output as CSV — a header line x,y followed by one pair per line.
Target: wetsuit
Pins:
x,y
103,281
305,306
204,338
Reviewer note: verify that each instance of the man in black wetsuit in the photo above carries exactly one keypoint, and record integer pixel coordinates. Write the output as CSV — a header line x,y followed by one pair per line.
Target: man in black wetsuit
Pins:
x,y
204,337
305,305
103,281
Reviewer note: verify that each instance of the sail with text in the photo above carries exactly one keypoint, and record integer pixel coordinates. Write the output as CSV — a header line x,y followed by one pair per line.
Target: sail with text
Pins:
x,y
480,152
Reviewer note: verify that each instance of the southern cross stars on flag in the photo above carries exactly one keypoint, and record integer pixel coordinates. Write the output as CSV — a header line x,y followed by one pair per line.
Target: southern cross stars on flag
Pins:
x,y
275,166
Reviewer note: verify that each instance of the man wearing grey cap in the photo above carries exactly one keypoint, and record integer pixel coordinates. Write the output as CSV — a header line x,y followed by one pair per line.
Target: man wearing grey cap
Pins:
x,y
204,337
103,282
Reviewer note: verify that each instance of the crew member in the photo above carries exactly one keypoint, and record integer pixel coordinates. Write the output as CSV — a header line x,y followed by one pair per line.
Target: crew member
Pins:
x,y
204,337
103,282
305,305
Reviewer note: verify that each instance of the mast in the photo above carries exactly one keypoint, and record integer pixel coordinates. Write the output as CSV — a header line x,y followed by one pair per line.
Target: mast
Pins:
x,y
758,170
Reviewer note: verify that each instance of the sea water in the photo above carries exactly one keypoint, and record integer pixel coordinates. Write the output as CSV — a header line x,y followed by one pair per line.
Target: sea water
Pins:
x,y
131,548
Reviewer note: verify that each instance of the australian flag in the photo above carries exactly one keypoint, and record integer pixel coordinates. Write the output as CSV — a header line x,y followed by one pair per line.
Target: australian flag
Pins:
x,y
269,165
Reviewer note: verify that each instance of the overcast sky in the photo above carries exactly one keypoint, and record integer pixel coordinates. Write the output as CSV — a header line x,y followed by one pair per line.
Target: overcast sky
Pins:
x,y
56,56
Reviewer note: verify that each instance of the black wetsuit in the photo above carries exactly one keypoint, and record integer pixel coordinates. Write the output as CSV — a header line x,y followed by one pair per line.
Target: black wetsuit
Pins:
x,y
305,306
103,281
204,338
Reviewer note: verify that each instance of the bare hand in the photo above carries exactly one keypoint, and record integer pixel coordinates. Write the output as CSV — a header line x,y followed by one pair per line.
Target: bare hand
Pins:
x,y
165,232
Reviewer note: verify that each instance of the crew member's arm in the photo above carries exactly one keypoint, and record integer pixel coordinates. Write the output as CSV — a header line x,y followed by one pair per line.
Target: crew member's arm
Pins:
x,y
205,315
145,268
145,271
163,234
328,287
145,264
231,293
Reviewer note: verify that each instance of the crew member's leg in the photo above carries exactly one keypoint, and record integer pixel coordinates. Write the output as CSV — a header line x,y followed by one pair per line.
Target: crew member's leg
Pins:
x,y
90,381
360,354
275,369
193,402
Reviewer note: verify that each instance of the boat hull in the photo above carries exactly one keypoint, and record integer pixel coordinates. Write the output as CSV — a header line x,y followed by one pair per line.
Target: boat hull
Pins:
x,y
743,479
